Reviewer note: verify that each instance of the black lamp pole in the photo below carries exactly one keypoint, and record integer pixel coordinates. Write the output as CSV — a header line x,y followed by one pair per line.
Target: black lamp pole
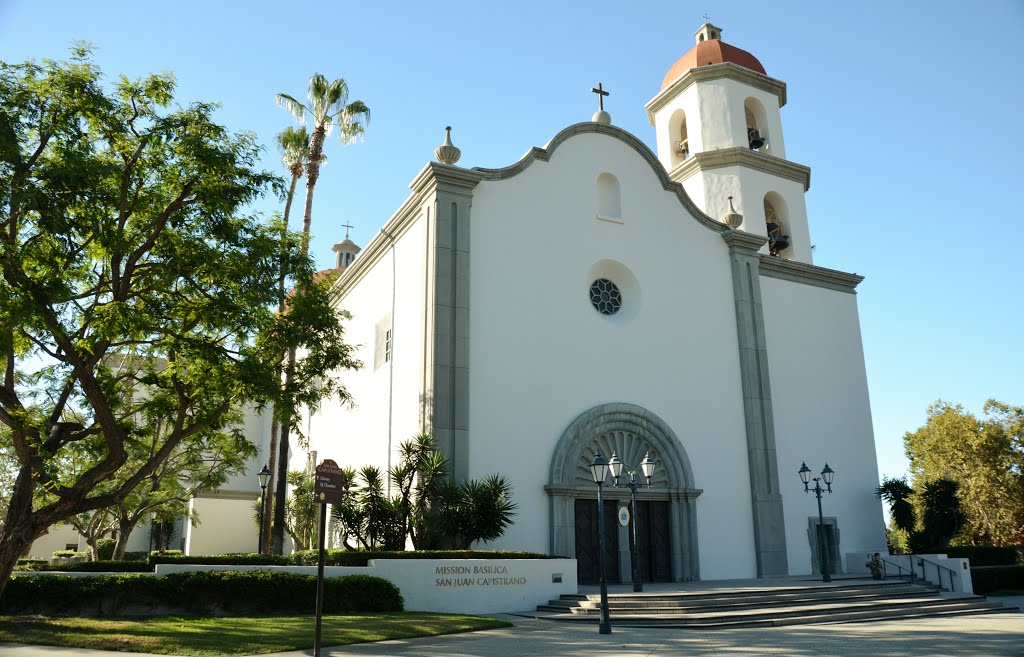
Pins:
x,y
647,466
264,478
826,475
599,471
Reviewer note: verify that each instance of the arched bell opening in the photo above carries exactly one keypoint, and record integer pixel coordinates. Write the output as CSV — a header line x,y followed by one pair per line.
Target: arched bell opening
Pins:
x,y
668,509
776,217
678,136
756,123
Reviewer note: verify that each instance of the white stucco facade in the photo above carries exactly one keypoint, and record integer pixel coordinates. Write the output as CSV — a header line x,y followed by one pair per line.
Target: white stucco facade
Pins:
x,y
729,357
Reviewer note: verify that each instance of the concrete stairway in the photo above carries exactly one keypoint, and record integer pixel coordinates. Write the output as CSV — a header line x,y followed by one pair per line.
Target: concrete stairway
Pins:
x,y
780,605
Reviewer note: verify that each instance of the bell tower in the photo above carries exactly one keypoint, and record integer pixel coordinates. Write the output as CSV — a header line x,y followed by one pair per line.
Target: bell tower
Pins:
x,y
719,133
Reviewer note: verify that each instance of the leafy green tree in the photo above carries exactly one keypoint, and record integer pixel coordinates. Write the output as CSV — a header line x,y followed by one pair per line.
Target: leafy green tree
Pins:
x,y
985,457
328,109
124,238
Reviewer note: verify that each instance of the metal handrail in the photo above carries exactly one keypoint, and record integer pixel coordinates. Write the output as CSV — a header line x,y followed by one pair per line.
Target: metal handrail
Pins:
x,y
938,570
899,574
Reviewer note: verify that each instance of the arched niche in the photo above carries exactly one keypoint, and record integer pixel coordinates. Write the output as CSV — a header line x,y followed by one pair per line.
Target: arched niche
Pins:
x,y
630,431
609,197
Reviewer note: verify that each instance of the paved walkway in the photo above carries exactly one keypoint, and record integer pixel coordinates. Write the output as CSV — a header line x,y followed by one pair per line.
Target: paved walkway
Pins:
x,y
984,635
987,635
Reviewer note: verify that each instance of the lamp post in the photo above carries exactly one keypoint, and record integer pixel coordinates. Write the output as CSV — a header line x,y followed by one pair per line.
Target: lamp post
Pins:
x,y
647,468
599,471
264,478
826,476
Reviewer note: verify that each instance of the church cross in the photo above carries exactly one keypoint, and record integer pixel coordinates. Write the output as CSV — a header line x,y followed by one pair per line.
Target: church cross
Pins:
x,y
707,19
601,93
346,227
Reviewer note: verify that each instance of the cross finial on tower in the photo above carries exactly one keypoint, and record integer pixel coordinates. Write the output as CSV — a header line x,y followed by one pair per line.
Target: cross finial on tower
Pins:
x,y
707,19
601,93
346,227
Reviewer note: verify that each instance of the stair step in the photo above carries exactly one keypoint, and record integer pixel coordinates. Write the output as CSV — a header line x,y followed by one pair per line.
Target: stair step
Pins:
x,y
770,606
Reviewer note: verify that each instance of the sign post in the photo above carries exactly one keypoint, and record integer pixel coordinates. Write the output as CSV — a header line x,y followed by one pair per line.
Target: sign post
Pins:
x,y
327,485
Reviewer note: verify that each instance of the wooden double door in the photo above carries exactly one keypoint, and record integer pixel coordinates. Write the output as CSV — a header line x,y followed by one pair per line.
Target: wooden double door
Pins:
x,y
653,537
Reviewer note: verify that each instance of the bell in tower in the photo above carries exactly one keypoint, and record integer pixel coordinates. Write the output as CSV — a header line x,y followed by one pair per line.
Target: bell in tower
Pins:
x,y
718,123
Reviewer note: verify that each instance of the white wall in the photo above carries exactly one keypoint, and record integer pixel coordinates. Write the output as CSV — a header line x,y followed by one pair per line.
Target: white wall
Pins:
x,y
387,405
58,537
540,354
822,414
225,526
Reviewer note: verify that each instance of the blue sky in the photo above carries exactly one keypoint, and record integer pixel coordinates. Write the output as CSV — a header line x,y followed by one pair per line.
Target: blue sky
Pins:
x,y
908,113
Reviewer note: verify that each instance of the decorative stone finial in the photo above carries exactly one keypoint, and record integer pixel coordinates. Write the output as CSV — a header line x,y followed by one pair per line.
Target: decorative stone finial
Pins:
x,y
601,116
447,153
733,219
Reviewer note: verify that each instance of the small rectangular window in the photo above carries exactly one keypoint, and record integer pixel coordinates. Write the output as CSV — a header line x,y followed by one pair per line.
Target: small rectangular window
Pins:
x,y
383,342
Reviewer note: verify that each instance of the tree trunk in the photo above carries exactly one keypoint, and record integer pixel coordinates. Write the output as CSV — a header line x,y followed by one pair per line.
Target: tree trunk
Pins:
x,y
20,528
316,145
281,490
268,509
268,494
125,526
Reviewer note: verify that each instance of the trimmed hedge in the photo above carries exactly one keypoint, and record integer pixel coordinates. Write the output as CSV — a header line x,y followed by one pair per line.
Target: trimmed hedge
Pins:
x,y
245,559
981,555
198,593
338,557
104,567
997,578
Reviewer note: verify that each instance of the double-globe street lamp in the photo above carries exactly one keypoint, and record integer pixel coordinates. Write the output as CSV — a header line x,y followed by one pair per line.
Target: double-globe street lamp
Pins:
x,y
599,471
264,478
647,468
826,476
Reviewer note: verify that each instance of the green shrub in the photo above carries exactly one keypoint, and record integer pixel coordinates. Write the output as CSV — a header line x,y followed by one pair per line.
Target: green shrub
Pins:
x,y
203,592
997,578
982,555
31,565
362,557
105,549
67,554
137,556
106,566
169,553
245,559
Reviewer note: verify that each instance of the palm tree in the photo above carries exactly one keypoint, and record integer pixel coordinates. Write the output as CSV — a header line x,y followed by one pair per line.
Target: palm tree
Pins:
x,y
294,144
897,493
329,109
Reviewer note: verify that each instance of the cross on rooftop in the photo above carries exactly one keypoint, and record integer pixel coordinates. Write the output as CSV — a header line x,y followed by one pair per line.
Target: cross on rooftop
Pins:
x,y
601,93
346,227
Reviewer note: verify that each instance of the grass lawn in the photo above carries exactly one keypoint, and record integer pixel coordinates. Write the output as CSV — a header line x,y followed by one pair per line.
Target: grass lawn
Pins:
x,y
217,637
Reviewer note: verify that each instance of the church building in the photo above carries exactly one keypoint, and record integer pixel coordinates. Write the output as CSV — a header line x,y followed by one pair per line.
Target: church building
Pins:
x,y
596,297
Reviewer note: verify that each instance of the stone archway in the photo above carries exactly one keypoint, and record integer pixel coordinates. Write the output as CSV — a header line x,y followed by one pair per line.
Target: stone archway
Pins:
x,y
630,431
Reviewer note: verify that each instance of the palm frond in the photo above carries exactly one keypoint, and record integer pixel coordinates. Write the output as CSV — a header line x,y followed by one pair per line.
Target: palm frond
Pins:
x,y
294,144
297,109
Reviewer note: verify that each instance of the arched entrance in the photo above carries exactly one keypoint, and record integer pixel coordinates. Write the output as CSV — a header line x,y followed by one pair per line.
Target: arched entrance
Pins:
x,y
668,510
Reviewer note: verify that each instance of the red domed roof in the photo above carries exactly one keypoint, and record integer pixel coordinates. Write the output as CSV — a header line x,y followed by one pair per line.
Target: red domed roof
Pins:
x,y
711,51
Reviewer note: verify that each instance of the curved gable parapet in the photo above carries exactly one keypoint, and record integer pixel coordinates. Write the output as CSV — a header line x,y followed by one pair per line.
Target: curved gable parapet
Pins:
x,y
544,154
